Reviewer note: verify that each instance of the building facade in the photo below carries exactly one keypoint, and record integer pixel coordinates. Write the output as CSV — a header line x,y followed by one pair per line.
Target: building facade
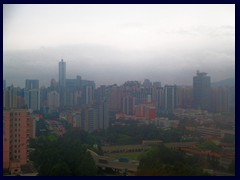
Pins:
x,y
103,115
17,130
170,98
10,97
201,91
53,101
62,73
62,81
32,99
31,84
32,94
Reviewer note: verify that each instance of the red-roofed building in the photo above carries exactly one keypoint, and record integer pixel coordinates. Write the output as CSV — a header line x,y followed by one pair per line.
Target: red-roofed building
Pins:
x,y
205,153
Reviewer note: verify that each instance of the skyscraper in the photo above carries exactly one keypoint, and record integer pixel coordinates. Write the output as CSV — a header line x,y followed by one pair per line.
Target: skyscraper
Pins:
x,y
62,73
31,84
88,94
201,91
184,97
92,119
32,94
44,98
62,81
170,98
128,103
114,98
53,101
103,115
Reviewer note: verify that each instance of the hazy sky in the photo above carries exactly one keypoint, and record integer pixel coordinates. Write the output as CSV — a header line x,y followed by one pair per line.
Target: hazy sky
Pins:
x,y
115,43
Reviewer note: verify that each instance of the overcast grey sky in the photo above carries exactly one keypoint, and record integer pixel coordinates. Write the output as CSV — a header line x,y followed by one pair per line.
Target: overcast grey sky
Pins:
x,y
115,43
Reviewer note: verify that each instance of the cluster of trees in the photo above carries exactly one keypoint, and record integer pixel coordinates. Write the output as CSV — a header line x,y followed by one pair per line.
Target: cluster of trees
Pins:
x,y
63,156
161,161
132,133
67,155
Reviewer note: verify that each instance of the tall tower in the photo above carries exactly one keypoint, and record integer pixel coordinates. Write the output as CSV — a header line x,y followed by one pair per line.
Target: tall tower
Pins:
x,y
170,98
62,73
62,81
103,115
32,94
201,91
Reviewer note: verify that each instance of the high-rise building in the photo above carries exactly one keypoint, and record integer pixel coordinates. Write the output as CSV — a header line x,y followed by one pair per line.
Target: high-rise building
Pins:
x,y
32,99
78,91
157,97
44,98
69,92
101,93
72,91
103,115
62,81
201,91
157,84
84,118
220,99
10,97
92,119
88,94
53,101
147,83
53,85
17,130
141,96
78,82
31,84
32,94
128,103
184,97
115,98
62,73
169,98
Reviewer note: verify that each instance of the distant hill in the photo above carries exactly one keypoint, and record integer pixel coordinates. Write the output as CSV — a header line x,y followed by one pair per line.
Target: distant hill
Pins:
x,y
225,82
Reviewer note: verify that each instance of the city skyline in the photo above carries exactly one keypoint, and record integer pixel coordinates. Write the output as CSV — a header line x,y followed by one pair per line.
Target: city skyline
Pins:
x,y
62,76
116,43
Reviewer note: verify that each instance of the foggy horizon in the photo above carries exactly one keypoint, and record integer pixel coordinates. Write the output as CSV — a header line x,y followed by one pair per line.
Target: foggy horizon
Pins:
x,y
111,44
100,78
178,119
